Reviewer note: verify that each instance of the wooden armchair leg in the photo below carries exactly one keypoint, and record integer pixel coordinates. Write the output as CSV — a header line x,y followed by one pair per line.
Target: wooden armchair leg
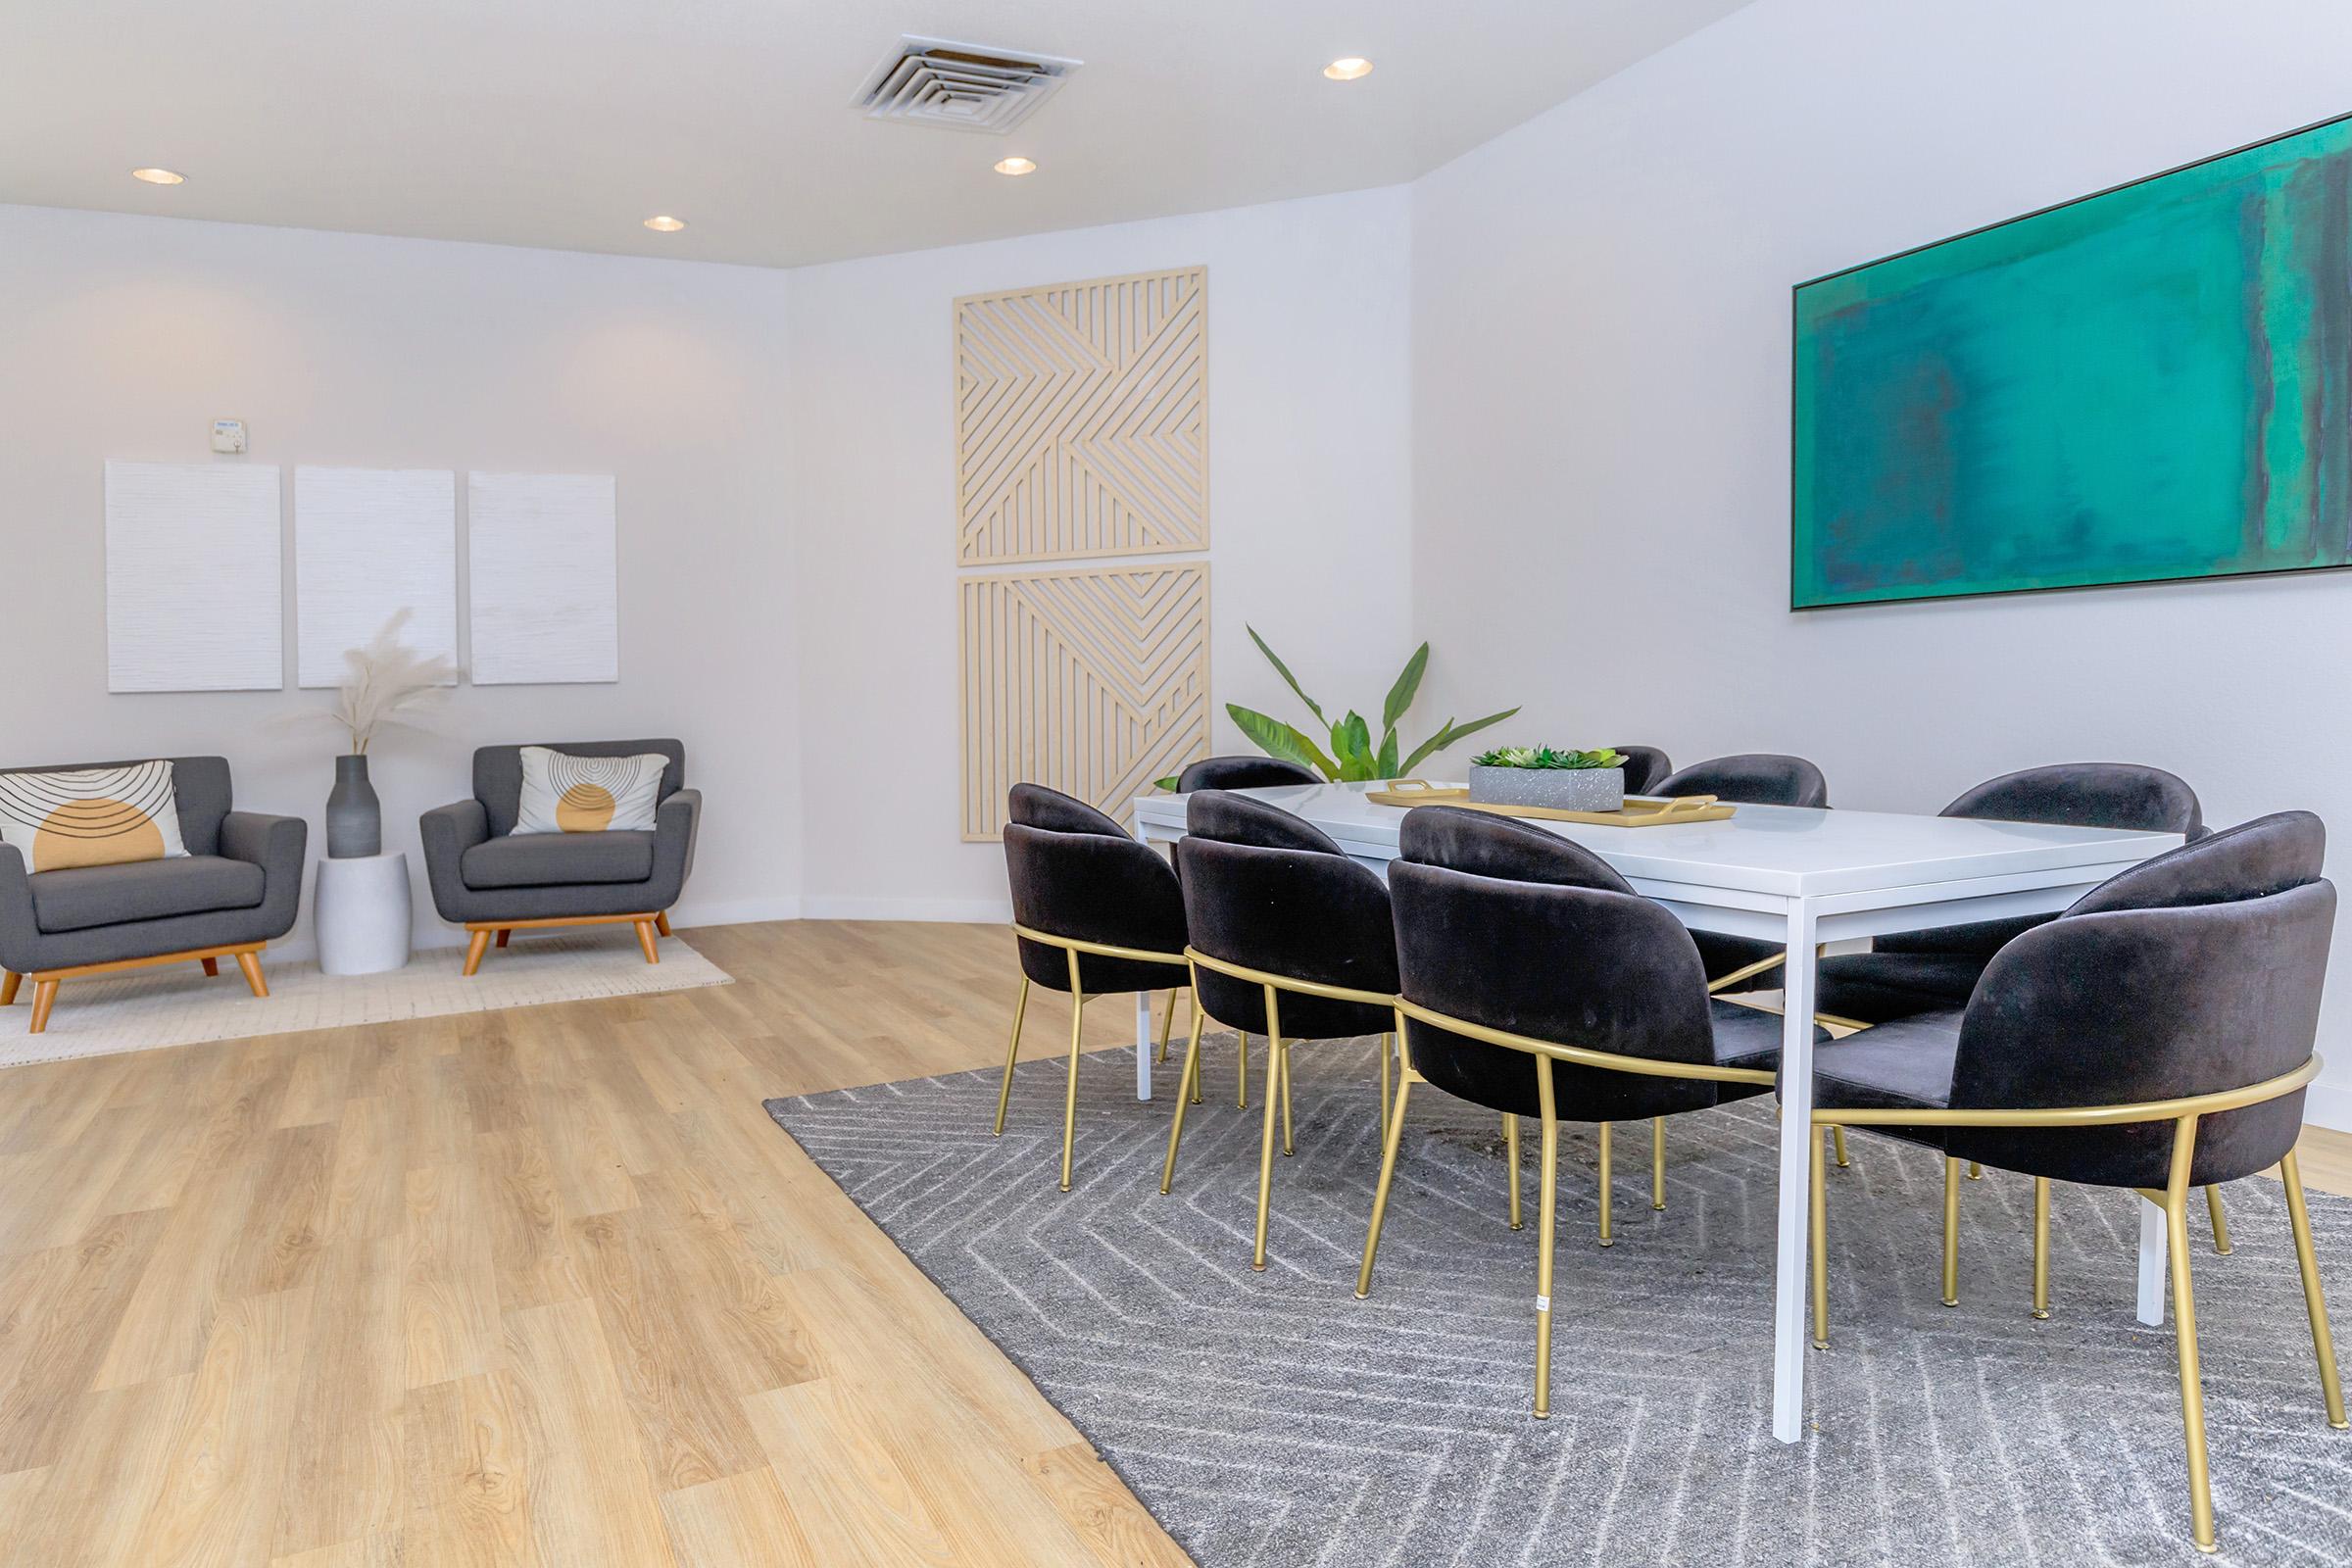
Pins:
x,y
644,940
211,967
661,924
9,981
473,951
44,996
251,965
504,934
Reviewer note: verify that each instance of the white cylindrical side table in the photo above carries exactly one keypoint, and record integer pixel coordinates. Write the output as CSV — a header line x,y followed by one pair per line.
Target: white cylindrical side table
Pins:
x,y
362,914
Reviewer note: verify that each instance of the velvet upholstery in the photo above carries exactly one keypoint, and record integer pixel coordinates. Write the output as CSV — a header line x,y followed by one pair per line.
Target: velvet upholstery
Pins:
x,y
1243,773
1891,982
479,874
105,915
1644,766
1089,882
1508,926
1753,778
1268,890
2158,985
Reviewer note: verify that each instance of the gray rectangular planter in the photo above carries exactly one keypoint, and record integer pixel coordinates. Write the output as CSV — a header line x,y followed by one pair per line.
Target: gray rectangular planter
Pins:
x,y
1562,789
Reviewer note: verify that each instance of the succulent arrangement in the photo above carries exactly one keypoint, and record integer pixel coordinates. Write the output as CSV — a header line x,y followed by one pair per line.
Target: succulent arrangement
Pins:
x,y
1546,756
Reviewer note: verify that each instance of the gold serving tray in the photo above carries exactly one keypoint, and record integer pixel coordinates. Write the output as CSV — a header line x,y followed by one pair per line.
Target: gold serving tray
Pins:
x,y
1637,812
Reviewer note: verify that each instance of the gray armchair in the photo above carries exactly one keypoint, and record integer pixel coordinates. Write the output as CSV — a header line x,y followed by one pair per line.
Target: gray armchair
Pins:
x,y
495,884
234,894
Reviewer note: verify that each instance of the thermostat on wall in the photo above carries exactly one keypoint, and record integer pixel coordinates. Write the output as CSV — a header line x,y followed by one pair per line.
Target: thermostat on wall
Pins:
x,y
228,435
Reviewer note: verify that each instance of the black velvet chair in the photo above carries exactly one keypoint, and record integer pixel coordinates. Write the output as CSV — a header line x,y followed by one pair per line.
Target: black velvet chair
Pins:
x,y
1645,765
1289,939
1243,773
1533,981
1094,913
1928,972
2157,1036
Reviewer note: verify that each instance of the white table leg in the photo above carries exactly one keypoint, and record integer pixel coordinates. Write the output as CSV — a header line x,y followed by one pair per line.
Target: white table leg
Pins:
x,y
1143,1045
1789,1274
2151,1264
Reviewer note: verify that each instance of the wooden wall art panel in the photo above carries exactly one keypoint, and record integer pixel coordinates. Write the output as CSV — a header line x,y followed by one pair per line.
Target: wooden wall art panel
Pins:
x,y
1094,682
1081,419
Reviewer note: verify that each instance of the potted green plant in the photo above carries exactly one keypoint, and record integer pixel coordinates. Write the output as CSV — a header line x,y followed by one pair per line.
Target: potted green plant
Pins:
x,y
1539,775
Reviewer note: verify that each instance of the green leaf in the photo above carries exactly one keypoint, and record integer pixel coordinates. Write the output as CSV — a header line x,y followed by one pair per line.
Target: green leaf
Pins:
x,y
1168,783
1451,732
1277,739
1400,695
1352,744
1288,679
1385,764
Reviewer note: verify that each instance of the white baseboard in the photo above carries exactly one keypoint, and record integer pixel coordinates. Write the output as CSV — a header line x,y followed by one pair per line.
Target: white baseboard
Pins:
x,y
2329,1105
991,911
735,911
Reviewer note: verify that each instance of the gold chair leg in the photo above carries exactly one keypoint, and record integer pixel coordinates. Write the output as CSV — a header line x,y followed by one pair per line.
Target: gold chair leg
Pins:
x,y
2221,1221
1548,1190
1951,1232
1185,1085
1021,1008
2322,1344
1821,1249
1606,1176
1510,1155
1070,1098
1387,1050
2041,1246
1282,1050
1837,1137
1395,1135
2185,1331
1168,1024
1976,1172
1241,1078
1657,1163
1265,1149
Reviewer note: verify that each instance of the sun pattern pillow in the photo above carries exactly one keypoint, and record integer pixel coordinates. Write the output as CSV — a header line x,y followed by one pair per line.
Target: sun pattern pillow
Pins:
x,y
567,794
91,816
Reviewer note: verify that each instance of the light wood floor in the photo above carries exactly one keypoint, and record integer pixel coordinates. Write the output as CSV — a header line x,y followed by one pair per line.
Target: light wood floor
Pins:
x,y
542,1286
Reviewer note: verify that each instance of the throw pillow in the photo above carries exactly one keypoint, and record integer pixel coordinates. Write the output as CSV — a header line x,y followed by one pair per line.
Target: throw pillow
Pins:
x,y
91,816
567,794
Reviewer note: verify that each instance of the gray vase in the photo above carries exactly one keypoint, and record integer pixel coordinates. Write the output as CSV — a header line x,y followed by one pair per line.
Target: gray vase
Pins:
x,y
1562,789
355,817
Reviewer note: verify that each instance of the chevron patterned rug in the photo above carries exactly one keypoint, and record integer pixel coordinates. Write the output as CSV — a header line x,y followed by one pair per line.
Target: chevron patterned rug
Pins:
x,y
1273,1419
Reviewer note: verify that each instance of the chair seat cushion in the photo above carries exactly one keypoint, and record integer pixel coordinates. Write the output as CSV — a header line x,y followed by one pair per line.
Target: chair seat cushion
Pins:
x,y
1749,1037
1722,956
1904,1065
82,896
1881,986
557,859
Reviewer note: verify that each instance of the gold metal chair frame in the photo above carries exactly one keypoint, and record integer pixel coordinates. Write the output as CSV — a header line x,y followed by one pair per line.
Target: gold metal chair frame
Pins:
x,y
1544,1052
2183,1113
1072,947
1278,1077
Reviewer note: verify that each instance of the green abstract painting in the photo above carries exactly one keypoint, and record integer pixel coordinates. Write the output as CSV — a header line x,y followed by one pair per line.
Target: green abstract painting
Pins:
x,y
2147,384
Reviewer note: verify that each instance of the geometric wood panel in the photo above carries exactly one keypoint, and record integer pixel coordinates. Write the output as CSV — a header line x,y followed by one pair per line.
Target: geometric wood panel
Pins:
x,y
1094,682
369,543
1081,419
542,554
194,590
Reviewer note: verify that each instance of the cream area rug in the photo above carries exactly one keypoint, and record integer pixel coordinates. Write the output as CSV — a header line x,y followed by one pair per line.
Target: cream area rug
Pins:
x,y
178,1005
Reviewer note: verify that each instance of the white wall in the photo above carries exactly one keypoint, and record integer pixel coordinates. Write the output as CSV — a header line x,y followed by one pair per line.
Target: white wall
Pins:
x,y
124,337
1309,509
1601,350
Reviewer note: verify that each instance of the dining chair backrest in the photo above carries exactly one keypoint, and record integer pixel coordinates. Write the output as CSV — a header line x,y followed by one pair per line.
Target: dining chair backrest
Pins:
x,y
1268,890
1075,874
1242,773
2196,972
1645,765
1751,778
1514,928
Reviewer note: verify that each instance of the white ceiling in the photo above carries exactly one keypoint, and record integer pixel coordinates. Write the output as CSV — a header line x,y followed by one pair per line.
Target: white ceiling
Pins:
x,y
564,122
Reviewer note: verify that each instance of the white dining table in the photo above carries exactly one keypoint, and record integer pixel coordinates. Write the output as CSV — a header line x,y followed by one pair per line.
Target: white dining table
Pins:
x,y
1788,874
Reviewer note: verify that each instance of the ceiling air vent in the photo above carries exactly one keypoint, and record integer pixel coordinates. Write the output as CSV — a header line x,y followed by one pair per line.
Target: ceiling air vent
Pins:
x,y
960,86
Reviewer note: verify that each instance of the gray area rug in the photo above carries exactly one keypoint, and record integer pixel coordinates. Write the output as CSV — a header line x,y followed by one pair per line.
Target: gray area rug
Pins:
x,y
1274,1419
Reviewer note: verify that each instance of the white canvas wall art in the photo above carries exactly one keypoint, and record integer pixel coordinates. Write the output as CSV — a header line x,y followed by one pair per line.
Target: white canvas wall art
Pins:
x,y
368,544
542,554
194,597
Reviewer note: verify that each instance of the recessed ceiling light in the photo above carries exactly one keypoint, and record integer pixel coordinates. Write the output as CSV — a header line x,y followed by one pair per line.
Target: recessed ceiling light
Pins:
x,y
665,224
158,177
1015,165
1350,68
